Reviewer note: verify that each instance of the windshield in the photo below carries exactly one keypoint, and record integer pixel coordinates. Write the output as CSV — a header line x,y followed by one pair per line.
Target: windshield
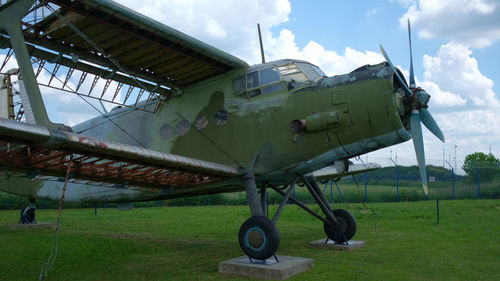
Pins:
x,y
300,72
274,78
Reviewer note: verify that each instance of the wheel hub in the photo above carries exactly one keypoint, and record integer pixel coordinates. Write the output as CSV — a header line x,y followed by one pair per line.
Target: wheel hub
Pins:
x,y
255,238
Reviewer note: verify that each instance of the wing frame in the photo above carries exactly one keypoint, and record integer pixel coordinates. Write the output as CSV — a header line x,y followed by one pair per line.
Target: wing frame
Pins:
x,y
37,150
143,47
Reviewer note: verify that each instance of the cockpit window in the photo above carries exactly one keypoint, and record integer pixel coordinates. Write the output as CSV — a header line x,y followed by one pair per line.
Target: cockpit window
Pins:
x,y
292,72
311,71
288,75
252,80
268,76
239,85
256,83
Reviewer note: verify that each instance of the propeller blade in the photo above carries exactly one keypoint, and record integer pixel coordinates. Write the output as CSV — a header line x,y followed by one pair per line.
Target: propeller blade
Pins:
x,y
401,81
412,77
431,124
418,143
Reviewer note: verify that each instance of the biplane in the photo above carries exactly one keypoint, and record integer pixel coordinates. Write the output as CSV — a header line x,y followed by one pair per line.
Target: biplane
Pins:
x,y
189,118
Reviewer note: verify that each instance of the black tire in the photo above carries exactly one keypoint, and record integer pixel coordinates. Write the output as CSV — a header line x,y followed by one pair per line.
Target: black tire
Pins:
x,y
259,238
28,217
347,223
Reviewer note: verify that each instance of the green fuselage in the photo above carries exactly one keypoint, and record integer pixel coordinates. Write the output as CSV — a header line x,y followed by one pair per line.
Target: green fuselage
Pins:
x,y
295,128
346,115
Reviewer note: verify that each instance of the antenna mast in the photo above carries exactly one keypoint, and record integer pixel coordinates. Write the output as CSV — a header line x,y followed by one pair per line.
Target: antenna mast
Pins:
x,y
261,46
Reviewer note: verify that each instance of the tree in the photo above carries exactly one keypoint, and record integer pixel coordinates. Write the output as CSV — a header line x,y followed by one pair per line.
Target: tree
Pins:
x,y
487,165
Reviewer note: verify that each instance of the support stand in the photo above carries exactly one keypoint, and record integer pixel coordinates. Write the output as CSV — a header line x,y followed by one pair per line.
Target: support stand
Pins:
x,y
264,262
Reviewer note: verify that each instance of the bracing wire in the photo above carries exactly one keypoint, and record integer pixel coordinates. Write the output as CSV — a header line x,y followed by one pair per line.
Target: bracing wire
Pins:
x,y
100,112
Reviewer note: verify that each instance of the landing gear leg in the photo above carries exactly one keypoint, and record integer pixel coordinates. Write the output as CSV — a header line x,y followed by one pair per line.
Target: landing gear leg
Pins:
x,y
340,225
258,236
28,213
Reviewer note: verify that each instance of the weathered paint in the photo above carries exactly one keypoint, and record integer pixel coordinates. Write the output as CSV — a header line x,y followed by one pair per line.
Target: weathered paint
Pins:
x,y
187,125
346,115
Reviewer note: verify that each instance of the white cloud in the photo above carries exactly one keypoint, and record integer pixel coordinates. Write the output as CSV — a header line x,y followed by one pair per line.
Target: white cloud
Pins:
x,y
440,98
229,25
472,130
474,23
452,75
232,26
330,62
458,78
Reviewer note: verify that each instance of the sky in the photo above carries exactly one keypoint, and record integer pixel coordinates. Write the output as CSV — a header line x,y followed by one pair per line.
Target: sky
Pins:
x,y
456,52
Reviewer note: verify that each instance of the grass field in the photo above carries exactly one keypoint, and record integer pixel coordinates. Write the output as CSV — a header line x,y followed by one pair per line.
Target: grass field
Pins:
x,y
187,243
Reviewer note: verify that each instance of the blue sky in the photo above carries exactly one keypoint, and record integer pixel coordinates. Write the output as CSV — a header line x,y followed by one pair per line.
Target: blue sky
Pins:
x,y
456,52
370,23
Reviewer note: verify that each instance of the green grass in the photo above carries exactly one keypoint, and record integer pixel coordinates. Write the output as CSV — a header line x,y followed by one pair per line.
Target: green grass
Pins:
x,y
187,243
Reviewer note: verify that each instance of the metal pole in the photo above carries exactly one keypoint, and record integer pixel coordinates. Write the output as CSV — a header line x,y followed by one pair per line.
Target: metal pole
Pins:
x,y
261,46
452,179
478,188
10,21
456,156
326,185
453,183
331,191
304,207
397,179
366,191
341,196
397,183
316,194
283,203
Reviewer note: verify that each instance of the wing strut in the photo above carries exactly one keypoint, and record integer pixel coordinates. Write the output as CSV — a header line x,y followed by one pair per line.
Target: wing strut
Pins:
x,y
10,21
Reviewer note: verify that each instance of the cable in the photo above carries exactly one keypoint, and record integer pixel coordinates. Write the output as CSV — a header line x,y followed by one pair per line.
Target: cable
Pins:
x,y
103,53
100,112
53,254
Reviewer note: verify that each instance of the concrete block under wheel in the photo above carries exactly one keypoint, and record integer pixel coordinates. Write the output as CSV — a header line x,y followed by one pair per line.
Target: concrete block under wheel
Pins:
x,y
286,267
330,245
40,225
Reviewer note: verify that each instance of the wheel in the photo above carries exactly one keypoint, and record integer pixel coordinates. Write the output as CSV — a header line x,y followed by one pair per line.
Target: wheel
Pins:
x,y
28,215
259,238
347,228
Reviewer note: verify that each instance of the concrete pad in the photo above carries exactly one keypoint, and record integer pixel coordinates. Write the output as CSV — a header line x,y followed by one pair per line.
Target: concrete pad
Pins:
x,y
272,270
40,225
330,245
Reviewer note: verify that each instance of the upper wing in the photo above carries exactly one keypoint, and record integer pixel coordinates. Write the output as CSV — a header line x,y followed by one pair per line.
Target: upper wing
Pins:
x,y
86,33
36,150
330,172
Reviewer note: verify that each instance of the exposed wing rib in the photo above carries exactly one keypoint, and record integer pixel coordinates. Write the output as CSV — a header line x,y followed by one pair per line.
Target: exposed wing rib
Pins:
x,y
330,172
142,46
35,149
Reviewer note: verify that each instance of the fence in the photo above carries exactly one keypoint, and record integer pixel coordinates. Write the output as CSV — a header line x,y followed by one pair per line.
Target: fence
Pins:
x,y
397,180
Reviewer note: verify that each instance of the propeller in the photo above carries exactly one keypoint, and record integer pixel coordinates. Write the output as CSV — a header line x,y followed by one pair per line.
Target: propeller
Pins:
x,y
416,100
